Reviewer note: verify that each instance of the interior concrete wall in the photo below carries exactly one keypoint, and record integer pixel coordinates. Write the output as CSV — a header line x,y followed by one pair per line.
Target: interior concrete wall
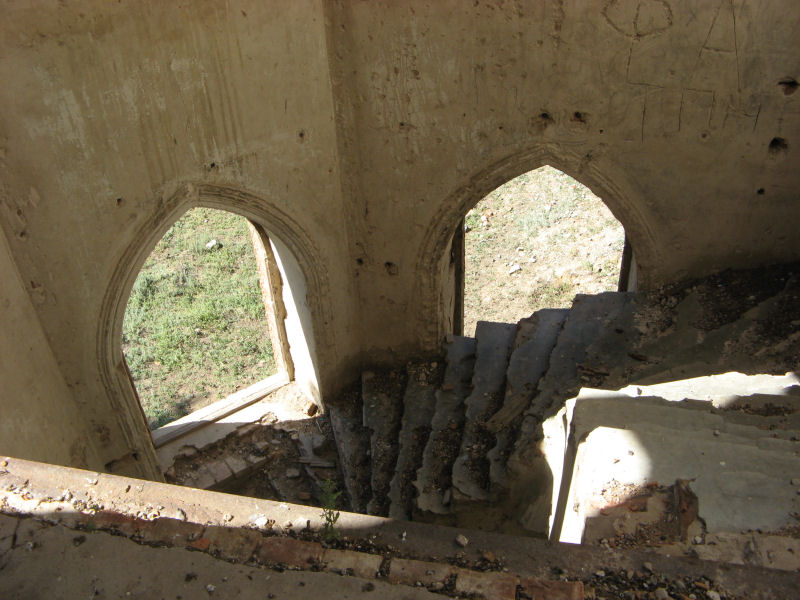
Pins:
x,y
39,416
359,133
665,109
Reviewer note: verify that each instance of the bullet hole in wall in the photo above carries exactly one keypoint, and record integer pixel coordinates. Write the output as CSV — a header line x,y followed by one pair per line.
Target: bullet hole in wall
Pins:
x,y
541,121
789,85
391,268
301,134
760,191
120,201
359,261
778,145
578,117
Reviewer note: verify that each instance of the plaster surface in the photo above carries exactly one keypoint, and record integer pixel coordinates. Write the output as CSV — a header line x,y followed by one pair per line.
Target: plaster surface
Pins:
x,y
358,134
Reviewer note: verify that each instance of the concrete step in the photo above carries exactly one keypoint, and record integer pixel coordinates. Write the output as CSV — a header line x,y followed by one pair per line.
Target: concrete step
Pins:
x,y
722,390
352,444
433,480
739,470
494,343
536,337
702,338
419,404
590,319
382,397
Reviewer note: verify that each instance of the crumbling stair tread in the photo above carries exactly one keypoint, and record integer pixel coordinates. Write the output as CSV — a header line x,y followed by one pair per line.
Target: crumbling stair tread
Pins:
x,y
494,342
419,403
433,480
536,337
382,397
352,445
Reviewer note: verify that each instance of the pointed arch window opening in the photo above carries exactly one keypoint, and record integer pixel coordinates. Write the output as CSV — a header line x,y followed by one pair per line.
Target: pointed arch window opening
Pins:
x,y
505,249
269,288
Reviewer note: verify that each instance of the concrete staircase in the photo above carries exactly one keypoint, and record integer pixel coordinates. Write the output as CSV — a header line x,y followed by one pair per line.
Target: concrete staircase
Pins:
x,y
434,439
502,437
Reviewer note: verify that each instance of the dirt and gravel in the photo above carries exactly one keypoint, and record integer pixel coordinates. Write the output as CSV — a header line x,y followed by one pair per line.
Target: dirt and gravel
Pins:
x,y
534,243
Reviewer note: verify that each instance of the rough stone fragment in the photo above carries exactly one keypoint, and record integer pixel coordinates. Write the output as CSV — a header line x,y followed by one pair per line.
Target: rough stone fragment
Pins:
x,y
237,465
347,562
412,572
544,589
487,584
202,478
220,471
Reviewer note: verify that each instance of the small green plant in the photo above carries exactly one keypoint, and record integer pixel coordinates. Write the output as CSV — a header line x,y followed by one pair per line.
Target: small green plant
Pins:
x,y
330,499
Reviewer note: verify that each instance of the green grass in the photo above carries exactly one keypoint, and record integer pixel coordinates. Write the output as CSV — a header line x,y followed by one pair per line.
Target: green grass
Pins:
x,y
194,329
556,293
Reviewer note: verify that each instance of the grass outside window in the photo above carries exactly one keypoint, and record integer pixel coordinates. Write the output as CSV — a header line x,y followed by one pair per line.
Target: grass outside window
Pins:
x,y
194,329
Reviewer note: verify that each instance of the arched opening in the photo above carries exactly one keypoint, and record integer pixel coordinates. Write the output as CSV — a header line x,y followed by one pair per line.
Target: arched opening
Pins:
x,y
195,328
297,281
535,242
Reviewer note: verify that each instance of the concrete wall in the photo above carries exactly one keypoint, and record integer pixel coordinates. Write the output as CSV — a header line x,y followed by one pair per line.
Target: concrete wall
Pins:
x,y
40,417
358,134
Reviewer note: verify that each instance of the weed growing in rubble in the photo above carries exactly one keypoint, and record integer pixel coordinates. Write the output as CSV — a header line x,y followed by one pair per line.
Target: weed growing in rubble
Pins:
x,y
330,499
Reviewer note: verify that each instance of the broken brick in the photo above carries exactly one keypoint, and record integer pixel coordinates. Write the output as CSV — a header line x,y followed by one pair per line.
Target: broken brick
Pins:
x,y
127,525
171,532
232,544
487,584
349,562
543,589
289,551
411,572
201,543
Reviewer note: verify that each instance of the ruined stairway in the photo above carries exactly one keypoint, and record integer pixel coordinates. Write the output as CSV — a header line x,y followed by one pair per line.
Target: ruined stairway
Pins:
x,y
481,439
434,439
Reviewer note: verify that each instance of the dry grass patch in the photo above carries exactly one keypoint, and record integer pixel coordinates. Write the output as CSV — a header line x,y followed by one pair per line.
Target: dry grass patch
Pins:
x,y
534,243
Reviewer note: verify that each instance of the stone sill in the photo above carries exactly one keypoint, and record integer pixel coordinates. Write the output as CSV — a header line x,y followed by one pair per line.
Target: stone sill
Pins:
x,y
263,532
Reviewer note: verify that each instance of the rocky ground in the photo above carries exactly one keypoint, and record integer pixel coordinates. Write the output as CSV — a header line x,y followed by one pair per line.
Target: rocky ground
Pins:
x,y
534,243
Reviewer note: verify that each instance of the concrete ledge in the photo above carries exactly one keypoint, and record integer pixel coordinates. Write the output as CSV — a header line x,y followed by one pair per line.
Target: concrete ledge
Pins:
x,y
264,533
218,410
